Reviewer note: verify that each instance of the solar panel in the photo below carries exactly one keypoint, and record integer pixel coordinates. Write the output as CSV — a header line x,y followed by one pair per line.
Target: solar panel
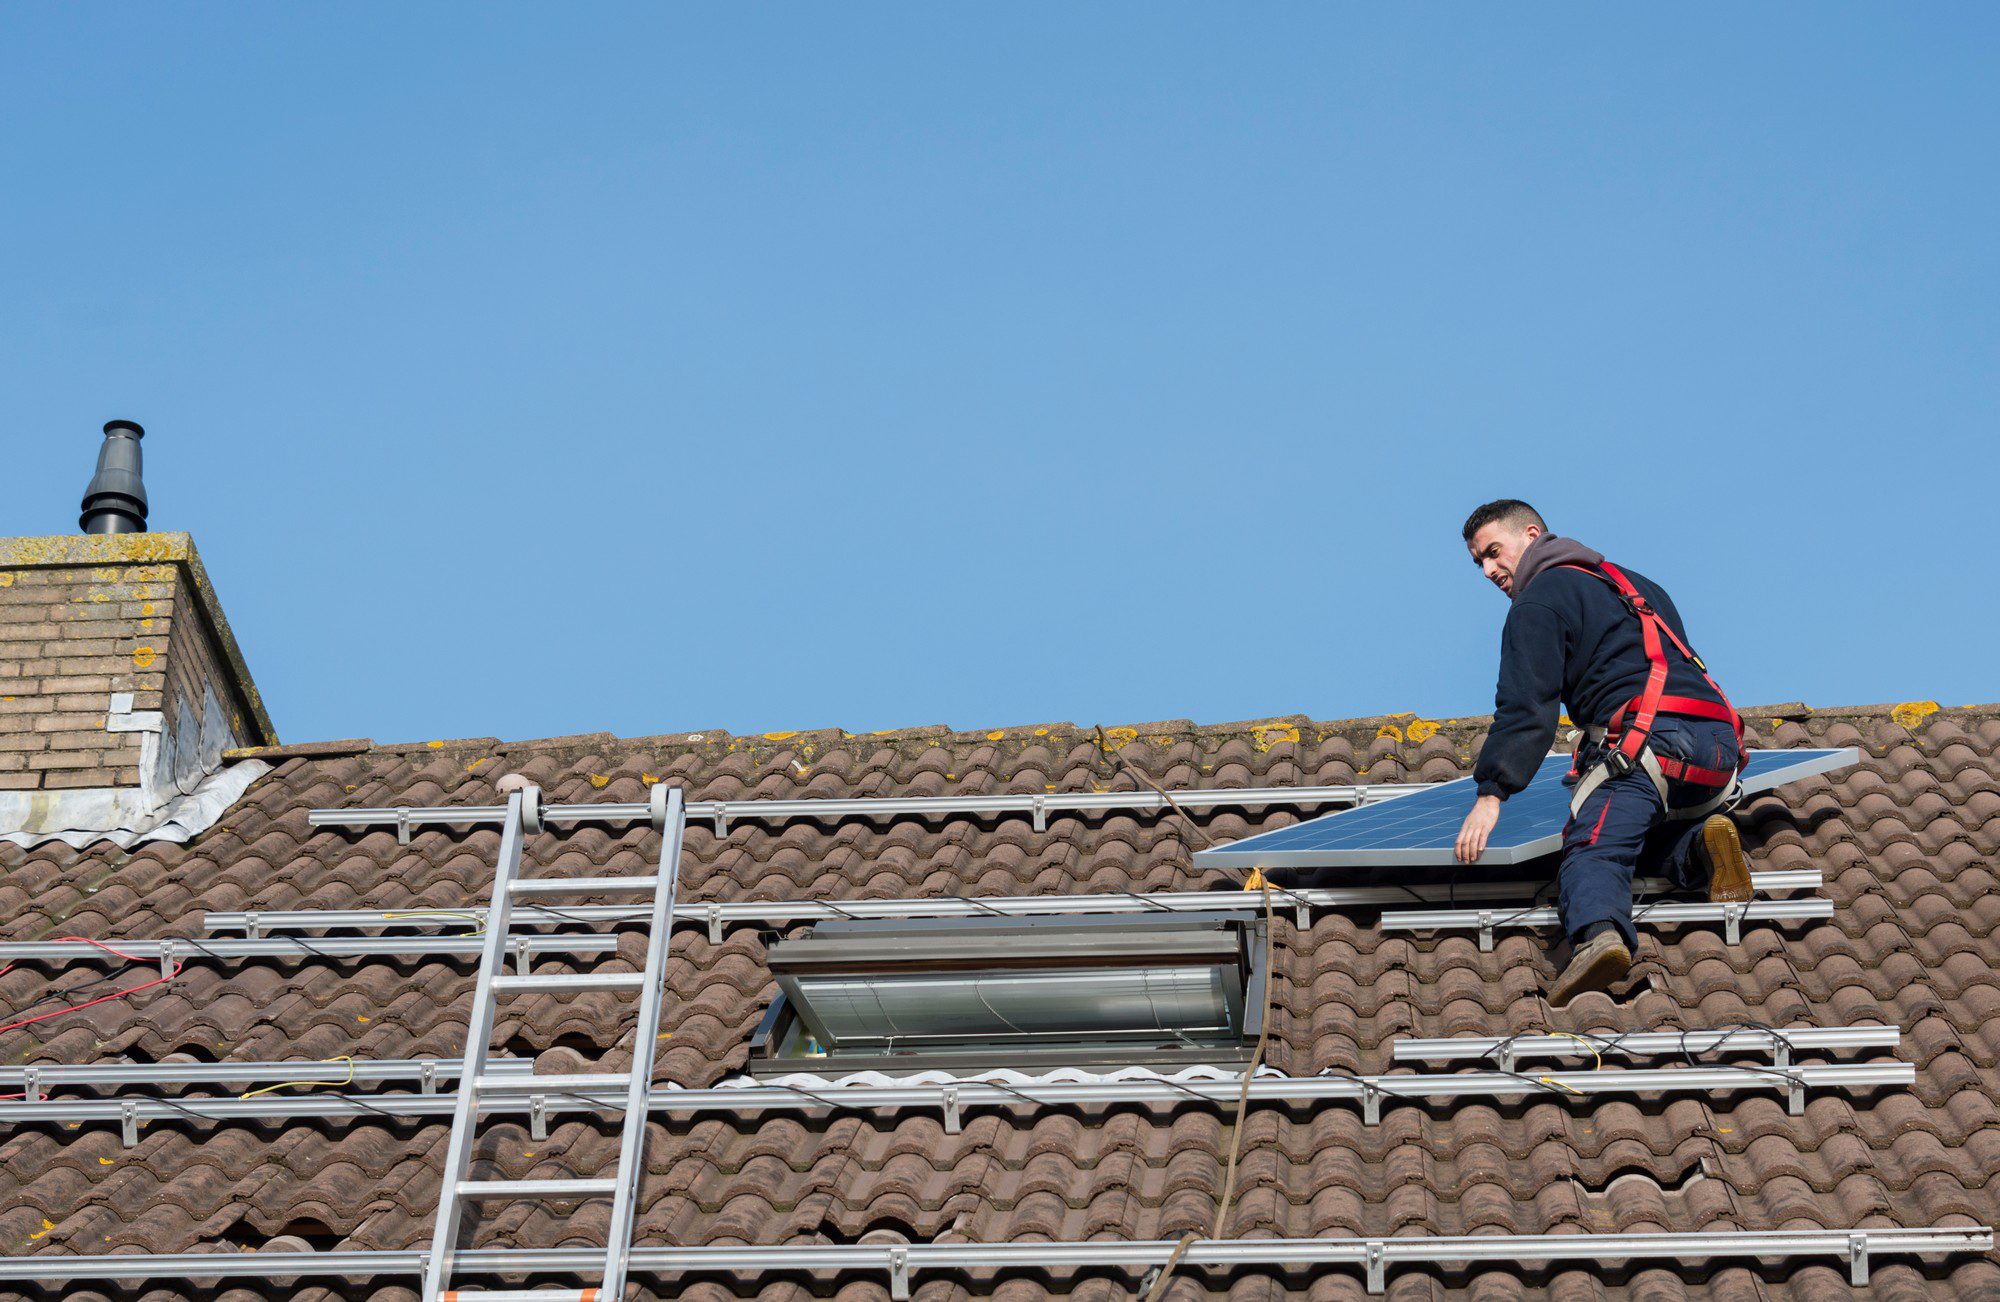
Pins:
x,y
1421,829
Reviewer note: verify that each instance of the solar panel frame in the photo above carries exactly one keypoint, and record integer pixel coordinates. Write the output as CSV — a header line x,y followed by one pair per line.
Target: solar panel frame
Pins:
x,y
1420,830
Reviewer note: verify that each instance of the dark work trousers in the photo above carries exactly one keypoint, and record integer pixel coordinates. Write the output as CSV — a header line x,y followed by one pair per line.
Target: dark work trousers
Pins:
x,y
1622,831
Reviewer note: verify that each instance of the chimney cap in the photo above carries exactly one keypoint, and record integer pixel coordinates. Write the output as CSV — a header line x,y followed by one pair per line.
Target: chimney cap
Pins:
x,y
115,502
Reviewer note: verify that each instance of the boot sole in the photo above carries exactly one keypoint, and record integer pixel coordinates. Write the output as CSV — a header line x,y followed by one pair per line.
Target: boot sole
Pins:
x,y
1606,969
1729,872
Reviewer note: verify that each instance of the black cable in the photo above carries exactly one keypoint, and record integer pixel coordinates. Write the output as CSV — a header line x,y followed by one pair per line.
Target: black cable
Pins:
x,y
1030,1100
1616,1043
1149,903
983,908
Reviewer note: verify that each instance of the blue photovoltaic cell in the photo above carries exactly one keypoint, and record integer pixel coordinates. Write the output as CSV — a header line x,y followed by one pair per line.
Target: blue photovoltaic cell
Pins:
x,y
1421,828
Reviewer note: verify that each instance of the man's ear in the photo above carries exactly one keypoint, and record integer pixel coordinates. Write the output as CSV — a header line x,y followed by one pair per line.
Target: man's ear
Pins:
x,y
1532,532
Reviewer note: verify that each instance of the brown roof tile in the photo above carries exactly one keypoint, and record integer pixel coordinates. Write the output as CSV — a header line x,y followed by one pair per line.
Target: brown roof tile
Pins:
x,y
1907,843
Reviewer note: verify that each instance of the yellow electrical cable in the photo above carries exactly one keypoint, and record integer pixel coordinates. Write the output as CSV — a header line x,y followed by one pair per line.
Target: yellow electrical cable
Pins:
x,y
1598,1063
286,1083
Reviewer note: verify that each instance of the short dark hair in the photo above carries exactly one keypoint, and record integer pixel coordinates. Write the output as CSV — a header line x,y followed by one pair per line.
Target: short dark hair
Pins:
x,y
1511,510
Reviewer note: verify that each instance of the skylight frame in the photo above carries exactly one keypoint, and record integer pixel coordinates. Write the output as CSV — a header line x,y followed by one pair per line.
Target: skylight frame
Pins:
x,y
1230,942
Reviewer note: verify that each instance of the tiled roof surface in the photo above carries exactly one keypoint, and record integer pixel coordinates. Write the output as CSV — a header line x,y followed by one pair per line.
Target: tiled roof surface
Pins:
x,y
1907,842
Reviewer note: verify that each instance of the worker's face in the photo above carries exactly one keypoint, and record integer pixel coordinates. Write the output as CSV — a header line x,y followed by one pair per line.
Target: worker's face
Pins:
x,y
1496,550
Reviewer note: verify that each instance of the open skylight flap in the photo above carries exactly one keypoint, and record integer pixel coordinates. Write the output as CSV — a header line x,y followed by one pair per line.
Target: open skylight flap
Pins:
x,y
1421,829
1013,941
1008,992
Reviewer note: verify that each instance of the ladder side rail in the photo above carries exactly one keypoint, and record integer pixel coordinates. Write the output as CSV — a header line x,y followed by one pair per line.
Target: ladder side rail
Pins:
x,y
645,1043
478,1033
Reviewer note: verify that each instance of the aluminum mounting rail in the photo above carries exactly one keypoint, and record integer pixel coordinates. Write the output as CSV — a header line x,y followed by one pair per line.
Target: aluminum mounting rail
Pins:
x,y
178,949
36,1078
720,812
1857,1247
1732,916
1507,1050
955,1098
718,914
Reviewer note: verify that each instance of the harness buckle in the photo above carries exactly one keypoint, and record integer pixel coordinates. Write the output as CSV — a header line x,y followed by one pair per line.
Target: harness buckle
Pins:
x,y
1617,762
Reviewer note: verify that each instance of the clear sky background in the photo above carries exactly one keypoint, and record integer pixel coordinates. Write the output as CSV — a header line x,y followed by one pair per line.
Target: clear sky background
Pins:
x,y
527,370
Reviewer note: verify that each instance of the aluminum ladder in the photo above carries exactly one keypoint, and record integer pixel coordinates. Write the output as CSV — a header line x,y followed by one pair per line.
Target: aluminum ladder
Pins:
x,y
476,1082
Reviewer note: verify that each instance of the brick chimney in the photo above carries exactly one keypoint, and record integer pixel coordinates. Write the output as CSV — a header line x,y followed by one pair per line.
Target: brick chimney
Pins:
x,y
120,682
117,669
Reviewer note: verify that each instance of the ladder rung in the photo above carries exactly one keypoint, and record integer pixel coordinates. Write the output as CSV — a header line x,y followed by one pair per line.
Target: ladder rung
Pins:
x,y
594,1188
560,982
591,1082
584,885
524,1294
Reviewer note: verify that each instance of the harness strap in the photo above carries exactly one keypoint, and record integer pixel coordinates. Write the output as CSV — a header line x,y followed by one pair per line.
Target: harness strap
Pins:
x,y
1632,723
1661,769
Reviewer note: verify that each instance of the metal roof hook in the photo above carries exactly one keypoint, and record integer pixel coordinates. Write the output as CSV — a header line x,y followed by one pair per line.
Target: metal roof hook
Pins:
x,y
899,1274
656,806
1732,921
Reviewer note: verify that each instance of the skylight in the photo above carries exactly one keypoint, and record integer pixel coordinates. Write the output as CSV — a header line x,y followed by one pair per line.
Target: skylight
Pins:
x,y
983,993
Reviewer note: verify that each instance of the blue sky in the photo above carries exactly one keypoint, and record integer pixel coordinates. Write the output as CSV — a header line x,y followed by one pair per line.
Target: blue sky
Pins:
x,y
526,370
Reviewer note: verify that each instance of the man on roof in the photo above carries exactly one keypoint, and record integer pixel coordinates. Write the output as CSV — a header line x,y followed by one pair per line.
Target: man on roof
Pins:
x,y
1660,747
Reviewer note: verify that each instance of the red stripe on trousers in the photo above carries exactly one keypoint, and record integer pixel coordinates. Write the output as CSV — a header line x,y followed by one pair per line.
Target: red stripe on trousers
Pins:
x,y
1599,827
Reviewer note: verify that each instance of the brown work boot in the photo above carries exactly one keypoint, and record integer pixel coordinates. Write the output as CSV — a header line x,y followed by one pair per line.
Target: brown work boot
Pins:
x,y
1598,964
1722,850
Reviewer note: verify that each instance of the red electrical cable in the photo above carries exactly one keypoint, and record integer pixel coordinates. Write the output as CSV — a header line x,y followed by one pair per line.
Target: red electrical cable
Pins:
x,y
116,994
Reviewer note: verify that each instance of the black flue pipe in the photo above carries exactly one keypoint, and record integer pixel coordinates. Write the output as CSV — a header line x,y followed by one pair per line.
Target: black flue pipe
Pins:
x,y
115,502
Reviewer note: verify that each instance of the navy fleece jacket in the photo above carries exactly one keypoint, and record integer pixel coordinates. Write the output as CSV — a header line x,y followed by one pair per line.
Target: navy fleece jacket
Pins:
x,y
1569,639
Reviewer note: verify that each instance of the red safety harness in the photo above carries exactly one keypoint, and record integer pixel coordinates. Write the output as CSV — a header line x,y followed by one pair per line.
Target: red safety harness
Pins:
x,y
1627,736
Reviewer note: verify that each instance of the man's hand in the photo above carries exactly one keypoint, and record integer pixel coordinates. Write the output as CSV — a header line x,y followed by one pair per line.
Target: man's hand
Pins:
x,y
1478,825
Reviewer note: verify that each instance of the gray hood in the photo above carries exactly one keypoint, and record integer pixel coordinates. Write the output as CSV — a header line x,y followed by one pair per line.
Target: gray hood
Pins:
x,y
1547,551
